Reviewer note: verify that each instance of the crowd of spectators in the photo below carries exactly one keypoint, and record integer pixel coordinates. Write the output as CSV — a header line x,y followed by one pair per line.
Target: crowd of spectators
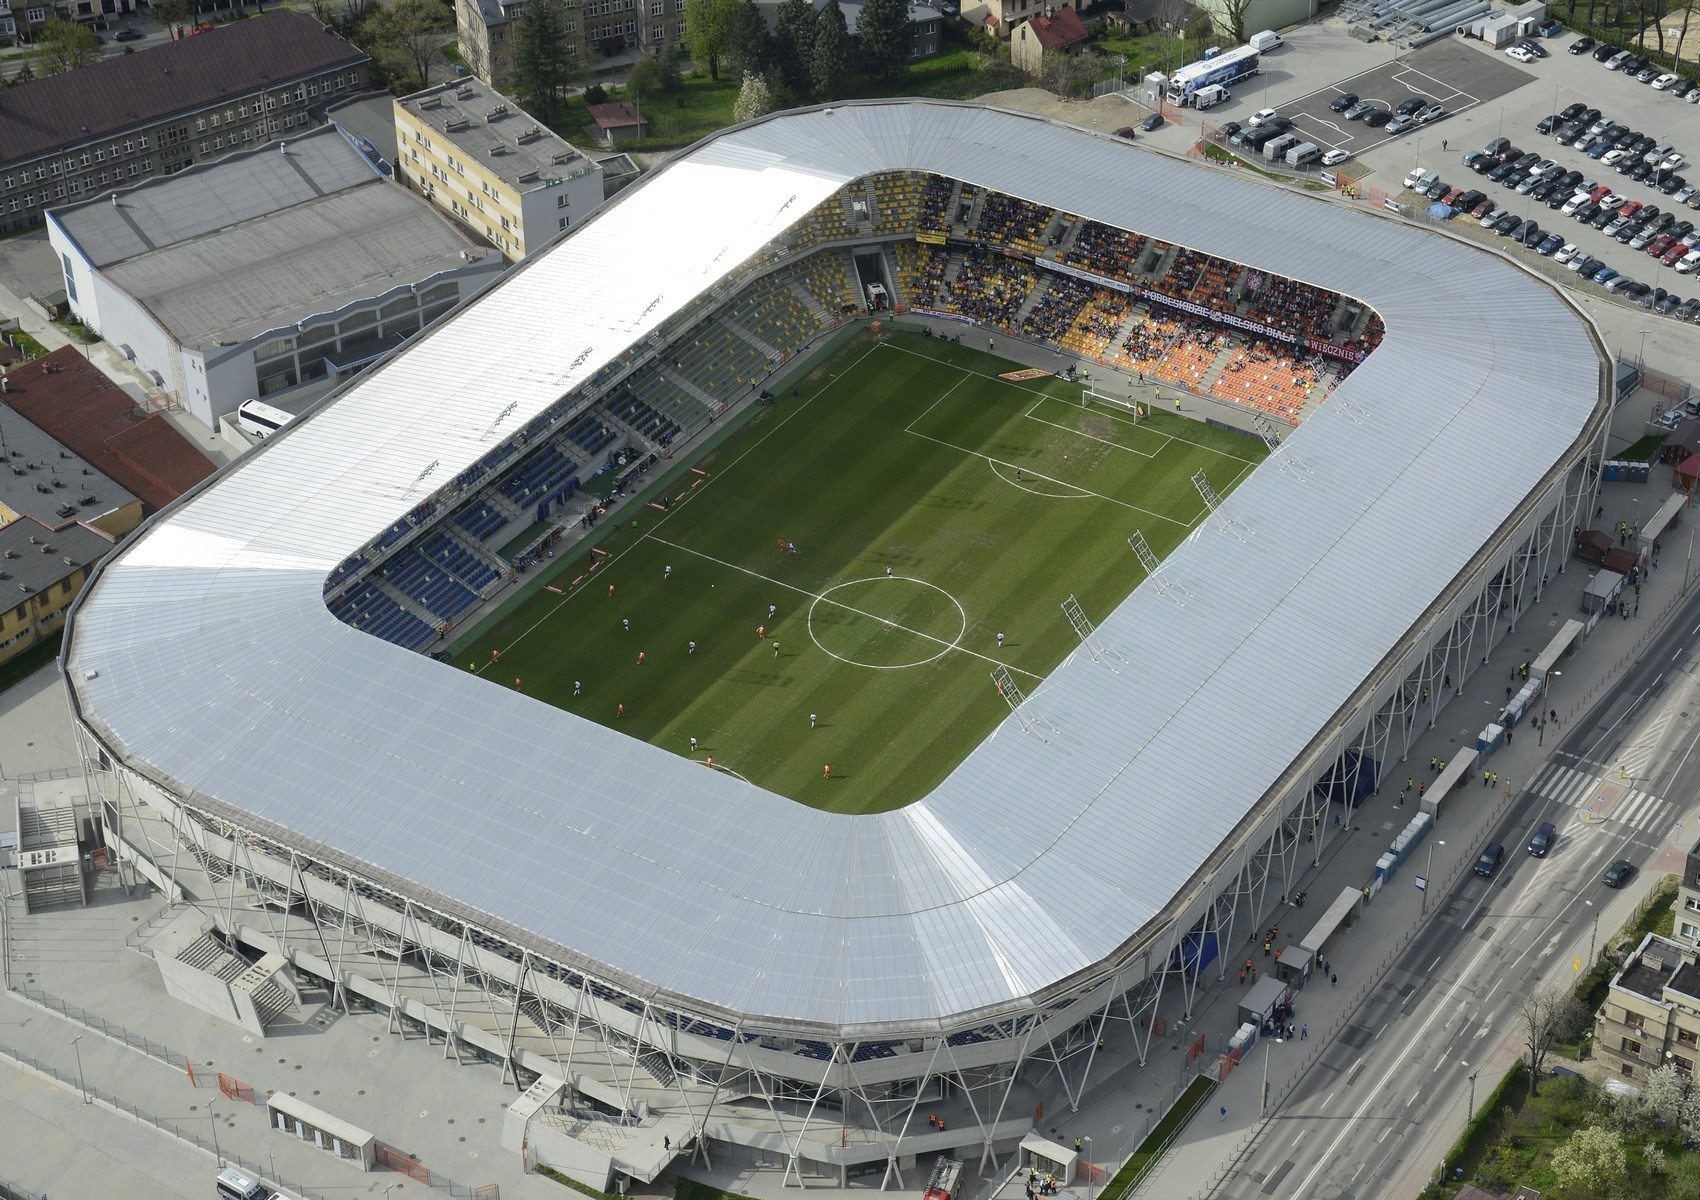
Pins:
x,y
1289,305
934,216
1173,349
920,272
1054,316
1008,221
990,288
1269,376
1113,252
1096,326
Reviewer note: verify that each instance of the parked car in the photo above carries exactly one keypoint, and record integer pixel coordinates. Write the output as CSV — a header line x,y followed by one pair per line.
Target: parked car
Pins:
x,y
1521,53
1616,875
1361,108
1261,117
1617,59
1489,862
1343,101
1375,118
1549,245
1430,112
1665,82
1605,51
1570,250
1400,124
1335,157
1548,124
1604,275
1534,47
1412,106
1681,88
1647,73
1582,45
128,35
1152,122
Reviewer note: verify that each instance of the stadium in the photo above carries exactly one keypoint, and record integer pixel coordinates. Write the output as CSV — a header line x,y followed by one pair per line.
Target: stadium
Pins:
x,y
695,968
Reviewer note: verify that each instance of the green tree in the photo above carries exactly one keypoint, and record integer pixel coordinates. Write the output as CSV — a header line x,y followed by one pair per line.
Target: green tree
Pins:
x,y
1683,1182
649,77
794,42
1591,1165
708,31
407,37
885,37
66,45
172,12
26,74
543,63
829,63
755,98
752,48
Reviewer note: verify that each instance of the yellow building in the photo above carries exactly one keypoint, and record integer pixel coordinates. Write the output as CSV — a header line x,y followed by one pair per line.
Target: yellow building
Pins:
x,y
1651,1015
41,571
504,175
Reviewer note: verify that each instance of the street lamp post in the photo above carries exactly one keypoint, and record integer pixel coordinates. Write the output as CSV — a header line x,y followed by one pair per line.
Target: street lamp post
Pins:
x,y
213,1122
1089,1167
82,1084
1472,1115
1641,354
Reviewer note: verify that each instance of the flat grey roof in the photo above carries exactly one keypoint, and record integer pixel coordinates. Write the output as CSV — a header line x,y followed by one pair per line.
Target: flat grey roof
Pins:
x,y
495,132
259,240
1035,863
371,117
34,565
32,460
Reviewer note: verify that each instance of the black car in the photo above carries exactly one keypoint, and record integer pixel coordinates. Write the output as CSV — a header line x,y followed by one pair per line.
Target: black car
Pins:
x,y
1499,173
1681,229
1438,189
1582,45
1618,874
1643,143
1470,199
1681,88
1571,111
1668,305
1506,224
1567,133
1604,51
1229,129
1343,101
1534,47
128,35
1686,310
1636,290
1639,171
1543,191
1532,235
1670,185
1569,180
1548,124
1154,121
1377,117
1412,106
1603,218
1586,212
1488,863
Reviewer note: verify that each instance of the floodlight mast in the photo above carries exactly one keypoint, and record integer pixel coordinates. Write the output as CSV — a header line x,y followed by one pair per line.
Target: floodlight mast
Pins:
x,y
1234,528
1087,632
1166,585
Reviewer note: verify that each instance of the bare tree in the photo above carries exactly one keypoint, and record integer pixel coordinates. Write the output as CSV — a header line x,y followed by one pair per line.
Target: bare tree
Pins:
x,y
1233,14
1548,1015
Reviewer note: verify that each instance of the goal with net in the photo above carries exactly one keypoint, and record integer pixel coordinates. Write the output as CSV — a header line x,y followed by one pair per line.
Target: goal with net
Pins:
x,y
1136,409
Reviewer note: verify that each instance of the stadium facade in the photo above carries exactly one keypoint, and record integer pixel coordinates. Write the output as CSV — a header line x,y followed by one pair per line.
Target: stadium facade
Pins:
x,y
715,971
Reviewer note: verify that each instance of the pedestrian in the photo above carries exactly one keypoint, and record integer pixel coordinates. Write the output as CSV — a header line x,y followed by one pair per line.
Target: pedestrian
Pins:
x,y
1485,779
640,658
776,648
1333,981
1242,975
1177,404
1443,144
519,684
667,571
711,762
772,611
1266,946
1338,821
578,686
693,648
826,771
1422,790
761,633
812,719
933,1120
619,710
1304,1032
627,622
1000,639
1553,716
610,591
1223,1111
693,745
495,656
1077,1145
991,344
888,572
1018,475
1508,737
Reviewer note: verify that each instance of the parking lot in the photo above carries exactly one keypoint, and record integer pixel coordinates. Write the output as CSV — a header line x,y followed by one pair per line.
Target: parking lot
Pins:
x,y
1449,72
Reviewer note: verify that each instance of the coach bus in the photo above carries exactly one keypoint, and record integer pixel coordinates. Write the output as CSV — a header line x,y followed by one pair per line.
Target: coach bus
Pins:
x,y
1219,70
261,420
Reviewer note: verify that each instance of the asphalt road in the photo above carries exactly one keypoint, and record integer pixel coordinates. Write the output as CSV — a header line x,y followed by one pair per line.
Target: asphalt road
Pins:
x,y
1356,1122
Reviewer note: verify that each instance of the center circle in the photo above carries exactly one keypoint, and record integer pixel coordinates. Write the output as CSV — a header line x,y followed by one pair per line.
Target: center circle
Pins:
x,y
887,622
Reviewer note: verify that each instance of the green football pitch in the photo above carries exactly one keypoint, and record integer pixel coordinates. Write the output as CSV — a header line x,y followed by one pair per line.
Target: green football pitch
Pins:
x,y
940,515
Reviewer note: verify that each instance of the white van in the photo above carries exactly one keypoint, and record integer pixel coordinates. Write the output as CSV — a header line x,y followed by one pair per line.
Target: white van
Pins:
x,y
1303,154
232,1184
1276,147
1264,41
1421,180
1207,97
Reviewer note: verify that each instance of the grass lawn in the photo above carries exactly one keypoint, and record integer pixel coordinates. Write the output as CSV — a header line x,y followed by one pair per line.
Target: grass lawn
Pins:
x,y
933,506
1157,1141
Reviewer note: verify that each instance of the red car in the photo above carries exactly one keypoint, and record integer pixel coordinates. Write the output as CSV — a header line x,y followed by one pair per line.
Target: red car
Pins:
x,y
1674,254
1630,209
1660,244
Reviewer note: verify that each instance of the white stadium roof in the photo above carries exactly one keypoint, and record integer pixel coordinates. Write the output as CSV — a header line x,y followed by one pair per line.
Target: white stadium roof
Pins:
x,y
204,654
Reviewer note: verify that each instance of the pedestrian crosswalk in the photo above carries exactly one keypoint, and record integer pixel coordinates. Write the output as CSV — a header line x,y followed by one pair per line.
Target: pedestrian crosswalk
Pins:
x,y
1587,791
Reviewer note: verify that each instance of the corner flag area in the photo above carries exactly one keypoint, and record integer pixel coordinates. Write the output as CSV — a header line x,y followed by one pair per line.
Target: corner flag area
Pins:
x,y
854,563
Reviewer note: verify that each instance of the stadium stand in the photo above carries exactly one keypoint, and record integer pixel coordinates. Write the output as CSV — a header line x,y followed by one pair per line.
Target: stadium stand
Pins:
x,y
1173,349
935,211
1008,221
920,273
1064,299
896,198
826,277
990,289
772,312
417,578
372,610
1097,323
1112,252
480,519
1266,376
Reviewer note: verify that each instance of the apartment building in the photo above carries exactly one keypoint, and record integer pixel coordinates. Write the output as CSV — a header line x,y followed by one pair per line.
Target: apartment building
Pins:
x,y
42,569
1651,1015
598,29
123,119
494,168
